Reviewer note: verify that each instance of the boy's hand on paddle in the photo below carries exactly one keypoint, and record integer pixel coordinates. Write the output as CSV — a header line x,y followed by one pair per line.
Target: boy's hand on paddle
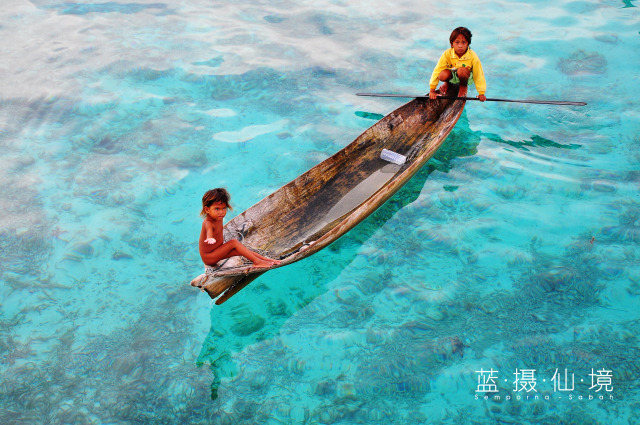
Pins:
x,y
210,241
482,97
433,94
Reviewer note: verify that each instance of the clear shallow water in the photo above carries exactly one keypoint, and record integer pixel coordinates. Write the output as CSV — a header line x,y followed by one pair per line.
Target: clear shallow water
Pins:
x,y
116,117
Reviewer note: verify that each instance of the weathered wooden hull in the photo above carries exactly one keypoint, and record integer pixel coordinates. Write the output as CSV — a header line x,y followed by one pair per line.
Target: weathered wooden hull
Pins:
x,y
318,207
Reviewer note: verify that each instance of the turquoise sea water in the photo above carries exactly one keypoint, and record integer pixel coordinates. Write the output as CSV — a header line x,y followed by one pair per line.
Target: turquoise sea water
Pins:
x,y
514,249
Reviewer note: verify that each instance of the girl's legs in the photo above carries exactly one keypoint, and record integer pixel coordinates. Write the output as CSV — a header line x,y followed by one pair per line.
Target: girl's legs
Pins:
x,y
263,257
445,76
233,248
463,75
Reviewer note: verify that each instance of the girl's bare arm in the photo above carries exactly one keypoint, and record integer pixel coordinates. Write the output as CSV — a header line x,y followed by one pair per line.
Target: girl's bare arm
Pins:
x,y
208,227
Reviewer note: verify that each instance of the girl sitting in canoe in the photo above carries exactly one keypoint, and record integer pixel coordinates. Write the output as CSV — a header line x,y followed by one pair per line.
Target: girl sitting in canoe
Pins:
x,y
212,247
457,65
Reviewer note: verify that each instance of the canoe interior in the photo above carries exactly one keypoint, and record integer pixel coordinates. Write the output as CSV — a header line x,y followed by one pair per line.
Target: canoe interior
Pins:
x,y
325,202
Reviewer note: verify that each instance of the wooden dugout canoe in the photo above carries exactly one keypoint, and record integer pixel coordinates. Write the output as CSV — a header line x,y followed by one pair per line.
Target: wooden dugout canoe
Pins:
x,y
309,213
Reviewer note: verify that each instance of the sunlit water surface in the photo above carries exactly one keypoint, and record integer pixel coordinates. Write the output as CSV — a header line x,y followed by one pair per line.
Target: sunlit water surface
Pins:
x,y
515,248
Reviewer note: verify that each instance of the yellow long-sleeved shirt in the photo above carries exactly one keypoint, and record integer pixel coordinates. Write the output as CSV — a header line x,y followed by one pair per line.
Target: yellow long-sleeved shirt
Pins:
x,y
450,59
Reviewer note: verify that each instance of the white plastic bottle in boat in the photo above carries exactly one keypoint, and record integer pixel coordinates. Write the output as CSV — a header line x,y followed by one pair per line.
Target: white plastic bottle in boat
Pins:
x,y
393,157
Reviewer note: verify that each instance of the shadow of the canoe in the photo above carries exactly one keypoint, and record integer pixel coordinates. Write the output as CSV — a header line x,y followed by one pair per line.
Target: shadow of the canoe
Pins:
x,y
264,306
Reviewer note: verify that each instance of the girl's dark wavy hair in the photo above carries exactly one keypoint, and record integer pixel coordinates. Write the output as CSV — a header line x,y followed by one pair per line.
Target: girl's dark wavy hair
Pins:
x,y
215,195
460,30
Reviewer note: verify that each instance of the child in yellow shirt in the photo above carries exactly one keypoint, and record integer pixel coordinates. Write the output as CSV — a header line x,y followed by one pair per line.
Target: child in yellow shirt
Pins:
x,y
457,65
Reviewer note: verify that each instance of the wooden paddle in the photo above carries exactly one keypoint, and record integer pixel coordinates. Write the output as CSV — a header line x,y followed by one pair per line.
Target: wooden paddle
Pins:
x,y
539,102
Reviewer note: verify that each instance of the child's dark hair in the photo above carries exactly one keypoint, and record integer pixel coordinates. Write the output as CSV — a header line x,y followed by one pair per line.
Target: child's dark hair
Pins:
x,y
215,195
460,30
